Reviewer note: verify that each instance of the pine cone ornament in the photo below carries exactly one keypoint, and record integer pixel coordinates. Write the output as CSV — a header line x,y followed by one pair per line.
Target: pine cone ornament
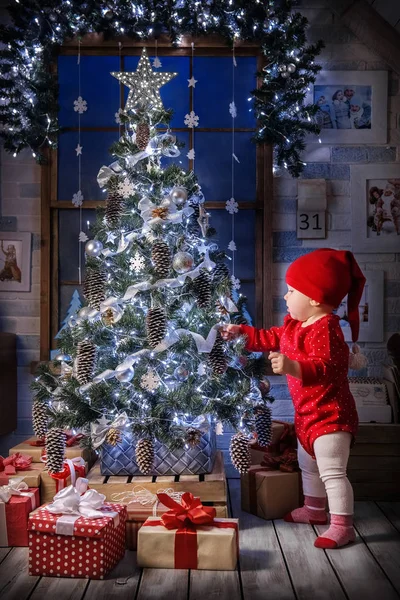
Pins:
x,y
145,455
113,436
115,205
156,325
263,423
202,289
216,358
85,362
55,450
193,436
220,273
94,287
142,135
239,450
161,257
39,418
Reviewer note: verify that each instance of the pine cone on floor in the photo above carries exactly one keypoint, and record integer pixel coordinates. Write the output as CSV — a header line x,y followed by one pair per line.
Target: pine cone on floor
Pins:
x,y
94,287
113,436
263,421
39,418
161,257
202,289
217,358
239,451
156,325
85,362
55,450
144,453
142,135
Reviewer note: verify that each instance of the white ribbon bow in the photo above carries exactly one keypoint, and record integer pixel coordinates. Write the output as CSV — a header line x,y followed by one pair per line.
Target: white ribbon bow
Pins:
x,y
69,501
15,487
100,429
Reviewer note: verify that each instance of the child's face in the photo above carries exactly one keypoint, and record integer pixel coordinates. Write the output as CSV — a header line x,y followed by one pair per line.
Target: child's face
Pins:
x,y
321,100
298,305
354,108
339,96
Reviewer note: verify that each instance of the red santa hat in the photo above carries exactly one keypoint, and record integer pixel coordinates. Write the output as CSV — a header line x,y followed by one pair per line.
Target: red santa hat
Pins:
x,y
326,276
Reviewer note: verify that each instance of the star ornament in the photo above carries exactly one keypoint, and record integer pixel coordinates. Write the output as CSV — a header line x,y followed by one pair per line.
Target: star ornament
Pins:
x,y
144,85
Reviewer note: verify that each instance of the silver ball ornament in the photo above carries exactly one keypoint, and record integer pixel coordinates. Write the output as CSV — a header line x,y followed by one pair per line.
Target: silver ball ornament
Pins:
x,y
282,68
93,248
63,357
85,312
124,375
182,262
178,195
181,373
291,67
285,75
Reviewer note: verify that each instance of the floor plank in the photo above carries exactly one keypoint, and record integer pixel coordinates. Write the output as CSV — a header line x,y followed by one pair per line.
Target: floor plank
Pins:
x,y
120,584
261,563
60,588
3,553
381,537
310,570
358,572
392,511
15,583
167,584
223,585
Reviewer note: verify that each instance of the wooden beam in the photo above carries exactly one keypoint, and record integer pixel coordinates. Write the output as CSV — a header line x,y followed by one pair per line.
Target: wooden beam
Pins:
x,y
370,28
45,257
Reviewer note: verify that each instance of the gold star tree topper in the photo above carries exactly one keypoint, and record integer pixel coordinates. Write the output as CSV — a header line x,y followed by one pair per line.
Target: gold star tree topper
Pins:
x,y
144,85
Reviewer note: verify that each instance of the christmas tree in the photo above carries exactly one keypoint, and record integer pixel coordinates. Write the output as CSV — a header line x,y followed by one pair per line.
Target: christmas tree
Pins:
x,y
147,360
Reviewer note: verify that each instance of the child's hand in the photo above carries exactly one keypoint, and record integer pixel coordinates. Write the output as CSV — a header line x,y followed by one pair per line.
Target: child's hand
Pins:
x,y
229,332
282,365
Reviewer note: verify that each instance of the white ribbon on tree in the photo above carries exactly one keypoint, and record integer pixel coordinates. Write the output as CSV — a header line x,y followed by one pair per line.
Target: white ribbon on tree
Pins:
x,y
123,244
168,210
99,429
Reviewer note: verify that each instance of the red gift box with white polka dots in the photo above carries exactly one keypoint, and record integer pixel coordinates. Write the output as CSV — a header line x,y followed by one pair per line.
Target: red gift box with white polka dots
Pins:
x,y
95,547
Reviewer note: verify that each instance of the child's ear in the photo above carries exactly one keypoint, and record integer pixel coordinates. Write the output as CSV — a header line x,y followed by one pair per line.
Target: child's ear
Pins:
x,y
314,302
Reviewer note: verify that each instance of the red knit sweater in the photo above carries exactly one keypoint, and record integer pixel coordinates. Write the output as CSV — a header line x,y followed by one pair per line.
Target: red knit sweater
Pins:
x,y
322,399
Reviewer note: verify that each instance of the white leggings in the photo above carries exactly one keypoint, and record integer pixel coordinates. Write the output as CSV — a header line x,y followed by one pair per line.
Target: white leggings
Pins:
x,y
326,476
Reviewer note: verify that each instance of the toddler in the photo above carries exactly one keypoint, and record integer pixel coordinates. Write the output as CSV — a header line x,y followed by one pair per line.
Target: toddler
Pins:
x,y
310,349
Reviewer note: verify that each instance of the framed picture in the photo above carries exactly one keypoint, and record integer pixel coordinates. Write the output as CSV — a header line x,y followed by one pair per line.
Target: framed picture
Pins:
x,y
15,261
371,310
352,106
375,208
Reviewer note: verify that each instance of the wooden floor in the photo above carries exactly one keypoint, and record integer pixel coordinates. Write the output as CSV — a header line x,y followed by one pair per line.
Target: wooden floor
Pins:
x,y
277,560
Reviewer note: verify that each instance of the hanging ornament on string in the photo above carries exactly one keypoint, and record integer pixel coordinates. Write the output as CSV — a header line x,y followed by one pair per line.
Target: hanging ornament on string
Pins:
x,y
144,454
55,450
183,262
239,451
156,326
161,257
181,373
85,362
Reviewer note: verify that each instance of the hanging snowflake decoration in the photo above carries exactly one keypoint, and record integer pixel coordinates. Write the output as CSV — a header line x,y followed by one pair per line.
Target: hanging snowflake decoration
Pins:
x,y
191,154
126,188
202,369
83,237
232,206
235,282
80,105
137,262
232,110
232,246
157,63
191,120
150,381
77,199
118,116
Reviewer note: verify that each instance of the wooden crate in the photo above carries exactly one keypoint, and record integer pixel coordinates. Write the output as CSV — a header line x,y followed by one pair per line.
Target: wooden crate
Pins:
x,y
374,463
88,456
209,488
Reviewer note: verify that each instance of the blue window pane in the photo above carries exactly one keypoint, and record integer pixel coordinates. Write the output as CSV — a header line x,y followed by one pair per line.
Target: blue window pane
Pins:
x,y
174,94
213,92
65,297
95,154
98,88
68,232
214,165
182,159
244,238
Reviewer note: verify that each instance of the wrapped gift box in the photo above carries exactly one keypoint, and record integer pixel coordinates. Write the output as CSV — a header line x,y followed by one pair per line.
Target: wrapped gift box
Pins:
x,y
283,436
50,486
270,494
212,547
94,547
31,476
14,517
74,451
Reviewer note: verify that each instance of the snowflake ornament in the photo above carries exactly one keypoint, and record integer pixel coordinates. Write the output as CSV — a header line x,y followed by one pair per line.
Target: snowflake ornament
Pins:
x,y
232,206
83,237
118,116
77,199
137,263
191,154
150,381
202,369
80,105
232,246
126,188
235,282
157,63
191,120
232,110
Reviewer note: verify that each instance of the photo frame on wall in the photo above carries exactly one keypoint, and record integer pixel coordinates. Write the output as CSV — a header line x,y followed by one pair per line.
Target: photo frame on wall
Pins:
x,y
375,208
371,310
352,106
15,261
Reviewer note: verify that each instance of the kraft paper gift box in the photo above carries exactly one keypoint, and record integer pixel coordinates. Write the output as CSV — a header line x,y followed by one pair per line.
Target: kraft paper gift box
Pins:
x,y
14,514
87,548
270,494
31,476
283,436
49,485
212,547
35,450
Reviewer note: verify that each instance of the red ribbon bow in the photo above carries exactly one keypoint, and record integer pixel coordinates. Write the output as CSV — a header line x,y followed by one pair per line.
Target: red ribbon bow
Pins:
x,y
286,462
189,513
70,440
15,462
